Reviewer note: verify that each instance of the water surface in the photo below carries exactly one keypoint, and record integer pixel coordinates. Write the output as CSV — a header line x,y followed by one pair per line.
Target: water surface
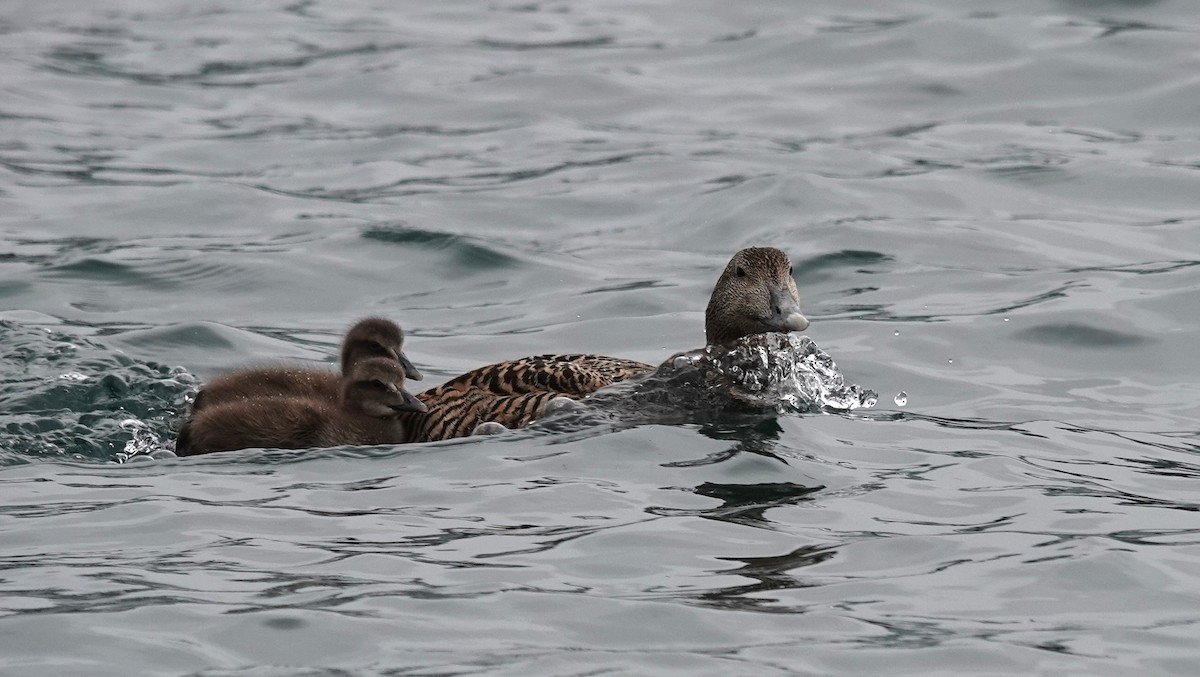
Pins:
x,y
991,207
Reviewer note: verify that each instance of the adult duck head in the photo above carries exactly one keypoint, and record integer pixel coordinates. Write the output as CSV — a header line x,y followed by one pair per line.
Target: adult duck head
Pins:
x,y
754,295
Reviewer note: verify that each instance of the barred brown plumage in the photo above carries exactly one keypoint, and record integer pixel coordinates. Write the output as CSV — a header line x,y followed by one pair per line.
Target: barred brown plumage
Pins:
x,y
513,393
456,412
573,374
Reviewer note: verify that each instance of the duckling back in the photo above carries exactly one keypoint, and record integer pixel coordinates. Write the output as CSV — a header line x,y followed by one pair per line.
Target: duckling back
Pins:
x,y
284,423
261,382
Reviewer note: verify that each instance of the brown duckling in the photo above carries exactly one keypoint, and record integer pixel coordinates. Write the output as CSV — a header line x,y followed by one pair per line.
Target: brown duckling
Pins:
x,y
755,294
371,337
376,337
366,412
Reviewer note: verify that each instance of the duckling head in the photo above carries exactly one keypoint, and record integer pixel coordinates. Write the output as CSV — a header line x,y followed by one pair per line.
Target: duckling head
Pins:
x,y
376,337
375,387
754,295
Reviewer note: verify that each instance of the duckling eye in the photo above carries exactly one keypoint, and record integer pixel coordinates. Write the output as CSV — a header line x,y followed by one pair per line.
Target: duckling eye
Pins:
x,y
740,272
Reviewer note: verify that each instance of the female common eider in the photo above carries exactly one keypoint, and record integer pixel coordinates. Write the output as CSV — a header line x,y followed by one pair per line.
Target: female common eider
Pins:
x,y
367,409
755,294
371,337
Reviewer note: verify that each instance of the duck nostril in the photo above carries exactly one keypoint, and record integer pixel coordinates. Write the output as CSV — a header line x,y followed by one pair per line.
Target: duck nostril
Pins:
x,y
778,311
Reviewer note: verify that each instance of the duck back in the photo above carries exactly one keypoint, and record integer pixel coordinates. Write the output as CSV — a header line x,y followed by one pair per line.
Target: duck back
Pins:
x,y
574,375
456,412
513,393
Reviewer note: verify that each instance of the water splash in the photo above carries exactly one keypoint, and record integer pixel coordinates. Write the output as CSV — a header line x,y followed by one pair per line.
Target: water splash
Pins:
x,y
70,396
786,372
144,443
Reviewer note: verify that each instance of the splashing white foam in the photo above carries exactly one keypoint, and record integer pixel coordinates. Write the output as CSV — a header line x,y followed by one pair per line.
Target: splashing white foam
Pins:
x,y
143,445
782,371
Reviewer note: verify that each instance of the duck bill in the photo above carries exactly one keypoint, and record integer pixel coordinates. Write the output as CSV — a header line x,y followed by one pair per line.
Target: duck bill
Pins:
x,y
787,316
409,403
794,321
410,369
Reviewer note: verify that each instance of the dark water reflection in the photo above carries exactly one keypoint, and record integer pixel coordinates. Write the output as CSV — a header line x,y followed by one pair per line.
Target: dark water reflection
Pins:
x,y
990,206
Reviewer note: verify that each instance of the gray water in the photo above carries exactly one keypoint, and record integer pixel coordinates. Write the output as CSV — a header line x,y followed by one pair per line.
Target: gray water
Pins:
x,y
992,207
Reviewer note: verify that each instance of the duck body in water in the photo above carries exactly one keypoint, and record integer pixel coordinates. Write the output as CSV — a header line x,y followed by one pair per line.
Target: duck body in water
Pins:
x,y
367,411
513,393
755,294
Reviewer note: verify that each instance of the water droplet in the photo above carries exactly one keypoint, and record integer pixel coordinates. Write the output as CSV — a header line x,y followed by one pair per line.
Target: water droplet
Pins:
x,y
901,398
1006,319
896,333
950,361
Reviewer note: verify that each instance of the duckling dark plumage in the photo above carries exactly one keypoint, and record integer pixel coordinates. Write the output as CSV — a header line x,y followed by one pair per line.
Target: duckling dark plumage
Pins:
x,y
755,294
376,337
367,411
368,338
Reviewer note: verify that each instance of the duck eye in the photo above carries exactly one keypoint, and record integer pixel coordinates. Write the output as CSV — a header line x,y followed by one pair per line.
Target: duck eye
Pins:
x,y
740,272
790,269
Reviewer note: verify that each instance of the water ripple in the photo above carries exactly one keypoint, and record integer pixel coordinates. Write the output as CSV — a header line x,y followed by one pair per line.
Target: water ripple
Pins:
x,y
991,209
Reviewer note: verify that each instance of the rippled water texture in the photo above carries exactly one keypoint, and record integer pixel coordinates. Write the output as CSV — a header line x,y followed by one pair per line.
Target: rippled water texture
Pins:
x,y
991,206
